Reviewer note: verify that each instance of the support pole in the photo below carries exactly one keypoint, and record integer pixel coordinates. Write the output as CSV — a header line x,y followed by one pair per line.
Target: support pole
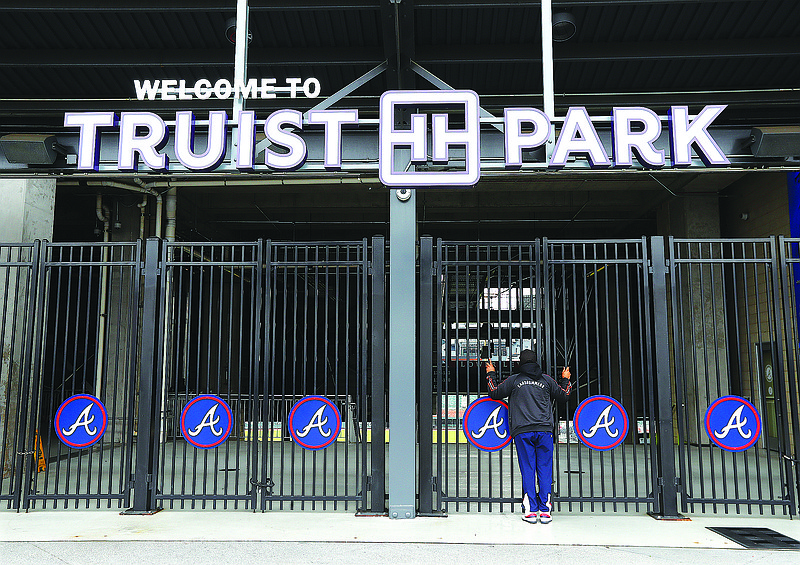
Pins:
x,y
239,69
548,83
665,438
402,354
146,462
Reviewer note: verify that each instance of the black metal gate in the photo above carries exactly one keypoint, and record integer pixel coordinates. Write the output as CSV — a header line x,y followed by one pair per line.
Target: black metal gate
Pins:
x,y
148,328
727,339
649,322
263,325
663,325
75,332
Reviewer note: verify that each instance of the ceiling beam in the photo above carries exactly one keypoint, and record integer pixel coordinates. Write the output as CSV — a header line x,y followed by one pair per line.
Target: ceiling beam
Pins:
x,y
186,5
223,5
184,57
425,54
399,44
588,52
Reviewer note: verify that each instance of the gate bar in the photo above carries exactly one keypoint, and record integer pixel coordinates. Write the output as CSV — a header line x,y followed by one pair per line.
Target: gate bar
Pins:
x,y
378,456
426,348
665,442
787,277
147,432
29,394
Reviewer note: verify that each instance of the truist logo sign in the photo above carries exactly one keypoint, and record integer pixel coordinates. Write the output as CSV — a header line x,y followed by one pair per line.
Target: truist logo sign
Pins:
x,y
415,138
438,129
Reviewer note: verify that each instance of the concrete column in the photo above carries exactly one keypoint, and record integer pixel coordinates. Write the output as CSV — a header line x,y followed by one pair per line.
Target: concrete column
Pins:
x,y
112,372
27,210
26,215
705,343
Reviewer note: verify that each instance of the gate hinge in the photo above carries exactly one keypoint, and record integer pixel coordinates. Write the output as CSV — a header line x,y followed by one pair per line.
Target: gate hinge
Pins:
x,y
149,478
650,267
435,484
369,482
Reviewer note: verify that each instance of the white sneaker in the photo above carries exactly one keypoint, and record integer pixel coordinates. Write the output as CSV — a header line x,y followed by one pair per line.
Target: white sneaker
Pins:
x,y
531,518
545,517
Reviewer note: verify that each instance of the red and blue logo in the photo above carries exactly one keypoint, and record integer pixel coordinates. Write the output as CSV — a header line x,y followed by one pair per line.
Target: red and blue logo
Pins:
x,y
314,422
732,423
601,423
486,424
80,421
206,421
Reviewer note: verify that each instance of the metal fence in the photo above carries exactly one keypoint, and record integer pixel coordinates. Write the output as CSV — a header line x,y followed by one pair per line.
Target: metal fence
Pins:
x,y
147,328
665,326
726,329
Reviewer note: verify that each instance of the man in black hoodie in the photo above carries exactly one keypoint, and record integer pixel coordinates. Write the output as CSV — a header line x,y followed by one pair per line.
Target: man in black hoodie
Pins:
x,y
530,415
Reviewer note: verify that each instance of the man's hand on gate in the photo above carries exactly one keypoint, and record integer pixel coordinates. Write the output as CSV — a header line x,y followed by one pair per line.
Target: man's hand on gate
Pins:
x,y
491,375
565,374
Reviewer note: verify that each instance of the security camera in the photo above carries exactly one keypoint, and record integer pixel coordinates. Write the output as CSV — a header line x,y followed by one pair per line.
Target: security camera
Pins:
x,y
403,194
230,31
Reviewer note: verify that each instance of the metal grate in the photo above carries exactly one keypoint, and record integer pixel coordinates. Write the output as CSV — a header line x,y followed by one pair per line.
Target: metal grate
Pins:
x,y
758,538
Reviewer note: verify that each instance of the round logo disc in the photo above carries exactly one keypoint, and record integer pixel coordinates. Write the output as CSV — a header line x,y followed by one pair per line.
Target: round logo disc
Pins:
x,y
80,421
486,424
733,423
601,423
314,422
206,421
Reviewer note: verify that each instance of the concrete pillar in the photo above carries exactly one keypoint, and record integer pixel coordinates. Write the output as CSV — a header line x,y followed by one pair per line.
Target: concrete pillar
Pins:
x,y
26,215
27,210
705,343
113,370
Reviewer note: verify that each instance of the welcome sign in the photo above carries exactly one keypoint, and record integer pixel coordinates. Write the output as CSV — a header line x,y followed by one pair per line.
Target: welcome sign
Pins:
x,y
439,127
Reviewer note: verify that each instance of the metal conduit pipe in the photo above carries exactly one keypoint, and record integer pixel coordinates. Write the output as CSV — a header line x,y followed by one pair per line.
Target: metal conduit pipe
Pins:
x,y
170,208
142,206
143,189
104,215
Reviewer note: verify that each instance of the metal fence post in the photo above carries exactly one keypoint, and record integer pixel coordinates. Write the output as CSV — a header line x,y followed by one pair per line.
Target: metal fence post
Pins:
x,y
378,372
787,272
426,348
148,416
665,439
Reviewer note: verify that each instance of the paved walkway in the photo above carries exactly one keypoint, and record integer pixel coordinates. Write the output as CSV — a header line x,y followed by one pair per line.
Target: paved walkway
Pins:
x,y
74,536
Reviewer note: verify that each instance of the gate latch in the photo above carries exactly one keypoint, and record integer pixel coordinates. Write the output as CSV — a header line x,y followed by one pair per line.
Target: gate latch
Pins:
x,y
268,484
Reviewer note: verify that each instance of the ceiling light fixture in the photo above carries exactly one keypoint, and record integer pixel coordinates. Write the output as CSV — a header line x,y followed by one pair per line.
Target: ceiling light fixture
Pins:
x,y
564,26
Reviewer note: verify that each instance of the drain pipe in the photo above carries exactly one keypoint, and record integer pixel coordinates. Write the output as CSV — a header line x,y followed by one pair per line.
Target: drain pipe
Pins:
x,y
170,209
104,215
143,188
142,206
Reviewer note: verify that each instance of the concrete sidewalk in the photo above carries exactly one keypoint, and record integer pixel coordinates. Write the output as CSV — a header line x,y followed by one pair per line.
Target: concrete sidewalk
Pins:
x,y
73,536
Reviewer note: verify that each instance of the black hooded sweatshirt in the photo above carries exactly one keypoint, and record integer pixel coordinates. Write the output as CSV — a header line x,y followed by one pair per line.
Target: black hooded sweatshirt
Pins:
x,y
529,395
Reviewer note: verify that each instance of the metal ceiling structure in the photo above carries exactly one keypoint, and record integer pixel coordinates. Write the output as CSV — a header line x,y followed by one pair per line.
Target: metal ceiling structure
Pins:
x,y
85,55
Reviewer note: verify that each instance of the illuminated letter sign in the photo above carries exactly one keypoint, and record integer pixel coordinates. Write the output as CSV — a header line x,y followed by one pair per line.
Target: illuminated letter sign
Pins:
x,y
626,140
393,171
515,140
428,149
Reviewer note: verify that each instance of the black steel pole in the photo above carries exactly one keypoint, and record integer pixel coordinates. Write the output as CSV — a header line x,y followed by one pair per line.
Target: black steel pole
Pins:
x,y
665,438
144,487
378,374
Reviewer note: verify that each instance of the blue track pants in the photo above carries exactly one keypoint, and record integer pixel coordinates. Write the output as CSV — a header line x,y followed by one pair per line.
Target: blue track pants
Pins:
x,y
535,455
